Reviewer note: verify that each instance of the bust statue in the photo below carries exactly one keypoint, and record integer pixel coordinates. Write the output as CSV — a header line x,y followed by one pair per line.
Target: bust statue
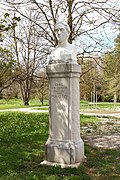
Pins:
x,y
64,52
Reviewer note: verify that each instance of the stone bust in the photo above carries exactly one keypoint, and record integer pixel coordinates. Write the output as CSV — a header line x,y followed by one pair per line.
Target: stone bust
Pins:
x,y
64,52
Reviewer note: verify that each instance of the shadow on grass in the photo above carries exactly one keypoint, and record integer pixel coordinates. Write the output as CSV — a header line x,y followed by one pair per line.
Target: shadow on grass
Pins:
x,y
22,139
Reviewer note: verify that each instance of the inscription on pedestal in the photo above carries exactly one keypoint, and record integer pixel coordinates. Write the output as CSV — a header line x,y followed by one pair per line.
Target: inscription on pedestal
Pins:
x,y
59,90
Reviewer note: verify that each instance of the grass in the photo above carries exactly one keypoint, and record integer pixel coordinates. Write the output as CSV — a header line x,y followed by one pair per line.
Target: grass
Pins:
x,y
17,103
42,108
99,105
85,120
22,139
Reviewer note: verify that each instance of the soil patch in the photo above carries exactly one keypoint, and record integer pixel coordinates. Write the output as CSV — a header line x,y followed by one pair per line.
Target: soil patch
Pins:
x,y
103,134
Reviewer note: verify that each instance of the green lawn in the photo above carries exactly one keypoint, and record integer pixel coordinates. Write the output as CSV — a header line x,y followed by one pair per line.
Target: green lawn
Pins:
x,y
22,139
17,103
99,105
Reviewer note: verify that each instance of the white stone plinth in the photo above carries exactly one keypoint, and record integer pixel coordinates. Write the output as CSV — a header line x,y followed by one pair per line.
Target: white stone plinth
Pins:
x,y
46,163
64,145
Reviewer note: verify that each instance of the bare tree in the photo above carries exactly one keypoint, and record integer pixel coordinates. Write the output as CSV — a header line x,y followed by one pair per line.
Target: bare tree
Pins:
x,y
41,86
84,18
87,19
28,55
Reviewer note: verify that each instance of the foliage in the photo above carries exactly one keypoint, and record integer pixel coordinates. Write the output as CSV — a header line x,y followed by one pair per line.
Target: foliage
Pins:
x,y
8,73
32,36
5,25
7,67
112,68
91,79
22,139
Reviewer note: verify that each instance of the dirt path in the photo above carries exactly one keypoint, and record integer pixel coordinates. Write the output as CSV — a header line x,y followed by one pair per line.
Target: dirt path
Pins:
x,y
103,134
29,110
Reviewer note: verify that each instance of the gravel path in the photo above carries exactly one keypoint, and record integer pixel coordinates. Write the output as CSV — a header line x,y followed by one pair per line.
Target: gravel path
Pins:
x,y
103,134
89,113
28,110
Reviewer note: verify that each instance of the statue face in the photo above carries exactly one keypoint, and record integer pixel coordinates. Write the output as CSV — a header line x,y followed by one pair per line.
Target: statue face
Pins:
x,y
62,33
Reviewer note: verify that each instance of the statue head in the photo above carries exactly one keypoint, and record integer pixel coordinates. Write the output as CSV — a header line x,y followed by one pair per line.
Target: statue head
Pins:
x,y
62,29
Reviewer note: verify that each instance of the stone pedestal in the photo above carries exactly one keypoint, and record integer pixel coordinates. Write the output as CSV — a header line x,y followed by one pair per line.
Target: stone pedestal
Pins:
x,y
64,146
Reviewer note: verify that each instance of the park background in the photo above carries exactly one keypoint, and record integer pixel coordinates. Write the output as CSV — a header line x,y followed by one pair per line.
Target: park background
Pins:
x,y
26,39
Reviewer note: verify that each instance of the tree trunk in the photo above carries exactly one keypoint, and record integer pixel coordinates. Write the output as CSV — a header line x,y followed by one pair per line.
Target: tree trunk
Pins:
x,y
42,99
24,94
70,3
115,99
26,101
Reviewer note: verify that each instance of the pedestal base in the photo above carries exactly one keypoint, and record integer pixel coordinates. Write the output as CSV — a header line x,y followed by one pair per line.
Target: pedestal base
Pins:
x,y
46,163
64,152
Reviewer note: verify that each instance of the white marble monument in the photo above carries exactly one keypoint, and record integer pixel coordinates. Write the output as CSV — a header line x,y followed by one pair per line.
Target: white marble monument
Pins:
x,y
64,52
64,146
